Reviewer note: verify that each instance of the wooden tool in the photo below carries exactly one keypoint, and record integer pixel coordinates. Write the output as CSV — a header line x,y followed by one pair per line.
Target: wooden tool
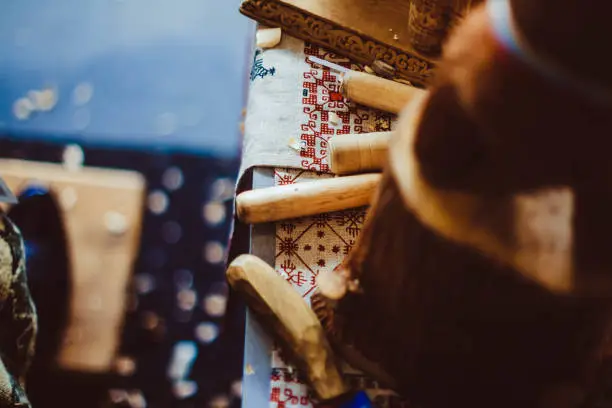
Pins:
x,y
376,92
371,90
291,320
102,210
358,153
308,198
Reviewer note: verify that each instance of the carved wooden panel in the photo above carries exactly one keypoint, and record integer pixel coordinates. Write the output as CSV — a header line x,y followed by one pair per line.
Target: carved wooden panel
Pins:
x,y
363,30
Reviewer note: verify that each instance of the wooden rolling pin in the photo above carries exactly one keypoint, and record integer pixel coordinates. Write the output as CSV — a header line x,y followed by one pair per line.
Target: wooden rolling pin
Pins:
x,y
358,153
308,198
376,92
290,319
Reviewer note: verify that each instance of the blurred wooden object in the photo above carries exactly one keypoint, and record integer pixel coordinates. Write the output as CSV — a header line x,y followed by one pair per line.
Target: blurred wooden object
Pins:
x,y
460,8
428,25
362,30
430,22
290,320
461,297
450,326
308,198
358,153
530,232
102,209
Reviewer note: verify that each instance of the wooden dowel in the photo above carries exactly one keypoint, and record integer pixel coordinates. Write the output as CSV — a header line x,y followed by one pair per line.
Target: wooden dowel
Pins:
x,y
308,198
376,92
288,316
358,153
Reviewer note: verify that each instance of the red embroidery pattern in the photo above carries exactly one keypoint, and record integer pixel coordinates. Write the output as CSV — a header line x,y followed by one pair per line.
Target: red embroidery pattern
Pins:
x,y
321,98
306,246
287,390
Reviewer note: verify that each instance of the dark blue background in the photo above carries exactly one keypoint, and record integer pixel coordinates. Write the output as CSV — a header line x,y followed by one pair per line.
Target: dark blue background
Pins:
x,y
169,80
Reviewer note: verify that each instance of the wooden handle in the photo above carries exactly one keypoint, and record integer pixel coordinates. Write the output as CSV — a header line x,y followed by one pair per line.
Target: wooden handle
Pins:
x,y
376,92
289,317
303,199
358,153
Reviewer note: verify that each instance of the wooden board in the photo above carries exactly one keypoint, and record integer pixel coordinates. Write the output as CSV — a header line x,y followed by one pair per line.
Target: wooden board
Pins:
x,y
101,261
363,30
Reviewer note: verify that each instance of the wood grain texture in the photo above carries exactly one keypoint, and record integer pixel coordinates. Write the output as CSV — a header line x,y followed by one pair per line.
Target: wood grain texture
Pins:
x,y
100,262
363,30
290,320
385,18
531,231
453,327
309,198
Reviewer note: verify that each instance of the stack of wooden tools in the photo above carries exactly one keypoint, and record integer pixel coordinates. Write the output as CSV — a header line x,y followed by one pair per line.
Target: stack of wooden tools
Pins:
x,y
348,155
357,160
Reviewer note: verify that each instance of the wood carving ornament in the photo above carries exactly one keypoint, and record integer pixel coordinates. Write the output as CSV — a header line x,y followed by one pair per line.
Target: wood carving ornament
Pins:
x,y
483,274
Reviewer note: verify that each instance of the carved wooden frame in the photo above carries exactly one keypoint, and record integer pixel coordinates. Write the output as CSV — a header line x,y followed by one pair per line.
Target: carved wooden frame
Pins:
x,y
334,37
